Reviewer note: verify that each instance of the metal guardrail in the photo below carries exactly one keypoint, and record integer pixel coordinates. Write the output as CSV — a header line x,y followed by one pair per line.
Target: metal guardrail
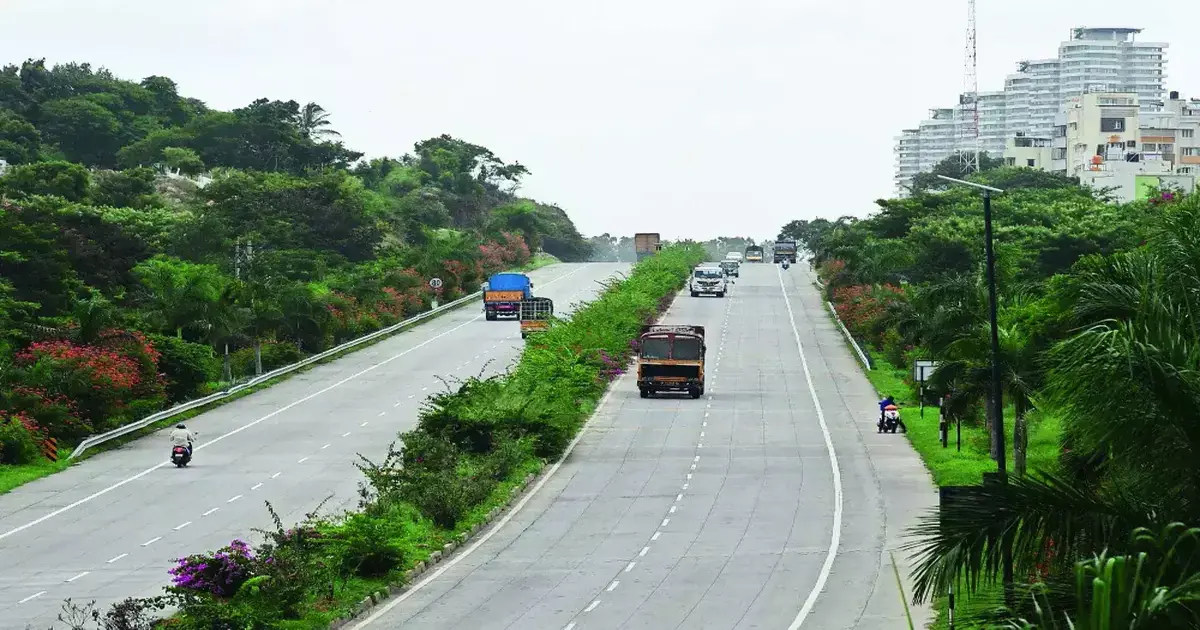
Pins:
x,y
862,356
211,398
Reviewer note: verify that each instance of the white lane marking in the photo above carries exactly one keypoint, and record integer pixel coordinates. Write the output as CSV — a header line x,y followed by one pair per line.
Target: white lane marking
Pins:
x,y
116,558
696,459
612,586
79,576
234,499
516,509
324,447
672,511
700,445
302,460
655,536
277,474
381,414
35,595
689,476
179,527
643,552
256,486
363,424
152,541
705,423
685,486
679,497
836,538
210,512
701,434
424,388
665,521
398,403
592,606
570,626
629,567
346,434
282,409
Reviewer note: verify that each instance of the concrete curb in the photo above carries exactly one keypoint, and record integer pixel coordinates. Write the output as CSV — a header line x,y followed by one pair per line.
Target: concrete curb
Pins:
x,y
364,608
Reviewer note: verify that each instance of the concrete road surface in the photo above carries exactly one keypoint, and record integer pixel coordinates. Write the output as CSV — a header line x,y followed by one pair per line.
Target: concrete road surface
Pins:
x,y
769,503
108,528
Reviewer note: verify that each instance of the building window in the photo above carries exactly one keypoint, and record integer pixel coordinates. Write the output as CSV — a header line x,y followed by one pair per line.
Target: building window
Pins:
x,y
1031,163
1010,161
1187,133
1189,151
1058,154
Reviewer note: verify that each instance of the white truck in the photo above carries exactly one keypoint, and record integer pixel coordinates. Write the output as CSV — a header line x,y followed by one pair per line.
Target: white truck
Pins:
x,y
708,279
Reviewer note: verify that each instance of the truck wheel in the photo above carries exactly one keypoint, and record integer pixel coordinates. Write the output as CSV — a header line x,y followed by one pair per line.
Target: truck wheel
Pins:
x,y
491,317
644,392
694,393
720,294
524,335
701,390
695,294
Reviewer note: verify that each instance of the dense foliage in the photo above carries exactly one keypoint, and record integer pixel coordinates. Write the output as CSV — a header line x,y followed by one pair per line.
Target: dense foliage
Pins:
x,y
1097,329
152,248
473,443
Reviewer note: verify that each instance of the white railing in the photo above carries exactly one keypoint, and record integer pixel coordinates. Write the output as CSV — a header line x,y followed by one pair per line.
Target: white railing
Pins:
x,y
258,380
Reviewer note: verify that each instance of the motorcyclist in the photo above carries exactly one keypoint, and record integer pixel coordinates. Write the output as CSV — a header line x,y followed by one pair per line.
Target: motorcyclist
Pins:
x,y
883,405
785,263
181,436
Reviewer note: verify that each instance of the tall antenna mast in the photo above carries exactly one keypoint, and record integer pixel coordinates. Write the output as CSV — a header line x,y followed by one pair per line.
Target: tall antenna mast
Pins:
x,y
968,102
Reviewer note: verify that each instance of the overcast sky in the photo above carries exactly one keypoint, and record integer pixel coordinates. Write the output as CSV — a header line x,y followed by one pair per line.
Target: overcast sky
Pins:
x,y
691,118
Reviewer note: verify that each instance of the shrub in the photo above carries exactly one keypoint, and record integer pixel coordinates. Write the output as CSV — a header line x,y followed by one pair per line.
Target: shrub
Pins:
x,y
187,367
221,573
56,414
19,440
275,354
97,380
363,546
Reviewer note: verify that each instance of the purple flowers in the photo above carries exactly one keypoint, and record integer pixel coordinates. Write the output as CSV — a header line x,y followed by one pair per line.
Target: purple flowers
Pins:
x,y
611,366
221,574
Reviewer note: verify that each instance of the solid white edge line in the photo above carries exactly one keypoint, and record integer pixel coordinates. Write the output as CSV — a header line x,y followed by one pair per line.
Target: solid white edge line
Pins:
x,y
503,521
290,405
836,538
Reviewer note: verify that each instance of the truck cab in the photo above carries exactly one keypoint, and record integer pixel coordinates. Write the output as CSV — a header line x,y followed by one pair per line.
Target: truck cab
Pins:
x,y
754,253
784,250
671,359
503,294
536,314
710,279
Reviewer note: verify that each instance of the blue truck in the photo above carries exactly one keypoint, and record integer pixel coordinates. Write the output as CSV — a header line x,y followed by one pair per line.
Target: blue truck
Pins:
x,y
503,293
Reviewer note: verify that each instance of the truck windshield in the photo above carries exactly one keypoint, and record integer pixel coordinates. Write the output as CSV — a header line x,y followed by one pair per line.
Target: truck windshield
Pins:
x,y
687,349
656,348
708,273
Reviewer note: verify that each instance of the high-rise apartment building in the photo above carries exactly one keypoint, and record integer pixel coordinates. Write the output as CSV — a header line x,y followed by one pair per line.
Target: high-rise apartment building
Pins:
x,y
1092,60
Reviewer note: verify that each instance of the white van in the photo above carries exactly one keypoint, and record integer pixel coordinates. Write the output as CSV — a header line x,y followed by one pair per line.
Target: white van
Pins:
x,y
734,256
708,279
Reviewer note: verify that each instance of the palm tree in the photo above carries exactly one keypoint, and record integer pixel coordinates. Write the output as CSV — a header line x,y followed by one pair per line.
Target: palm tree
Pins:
x,y
1126,387
313,122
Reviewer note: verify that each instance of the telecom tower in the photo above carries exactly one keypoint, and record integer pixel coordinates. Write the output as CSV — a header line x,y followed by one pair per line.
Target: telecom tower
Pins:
x,y
968,102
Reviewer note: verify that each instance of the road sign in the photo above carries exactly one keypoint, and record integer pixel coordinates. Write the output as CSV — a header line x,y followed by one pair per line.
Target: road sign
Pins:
x,y
923,369
435,283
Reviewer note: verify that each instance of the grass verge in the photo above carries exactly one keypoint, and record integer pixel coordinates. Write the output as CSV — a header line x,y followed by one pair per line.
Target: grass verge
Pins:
x,y
14,476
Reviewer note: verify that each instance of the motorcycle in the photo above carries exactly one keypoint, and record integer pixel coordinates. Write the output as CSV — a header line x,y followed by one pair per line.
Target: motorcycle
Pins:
x,y
887,424
180,456
785,264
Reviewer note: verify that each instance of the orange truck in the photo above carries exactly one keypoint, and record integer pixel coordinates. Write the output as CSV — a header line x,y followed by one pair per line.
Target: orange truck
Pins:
x,y
671,359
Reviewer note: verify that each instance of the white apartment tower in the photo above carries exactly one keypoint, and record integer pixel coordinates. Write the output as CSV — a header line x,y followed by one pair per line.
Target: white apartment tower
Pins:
x,y
1092,60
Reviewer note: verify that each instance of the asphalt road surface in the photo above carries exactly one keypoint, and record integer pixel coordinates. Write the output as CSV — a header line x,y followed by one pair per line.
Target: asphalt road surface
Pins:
x,y
108,528
771,502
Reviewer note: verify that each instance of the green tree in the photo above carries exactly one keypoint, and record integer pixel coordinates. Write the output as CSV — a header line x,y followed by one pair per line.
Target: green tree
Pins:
x,y
62,179
184,161
83,130
952,166
178,295
20,141
132,188
313,122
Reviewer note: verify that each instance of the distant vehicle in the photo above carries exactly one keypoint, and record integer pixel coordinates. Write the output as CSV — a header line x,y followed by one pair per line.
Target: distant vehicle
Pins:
x,y
784,250
734,256
646,244
671,358
754,253
731,268
536,314
708,279
503,294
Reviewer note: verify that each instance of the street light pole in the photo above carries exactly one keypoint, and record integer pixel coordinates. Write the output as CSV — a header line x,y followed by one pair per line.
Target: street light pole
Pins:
x,y
997,388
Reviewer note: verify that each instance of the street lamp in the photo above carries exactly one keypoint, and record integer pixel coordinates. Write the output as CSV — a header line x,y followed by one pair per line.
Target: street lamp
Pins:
x,y
997,390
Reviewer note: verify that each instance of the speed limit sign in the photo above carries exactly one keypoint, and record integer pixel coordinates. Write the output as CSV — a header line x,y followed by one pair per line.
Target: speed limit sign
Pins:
x,y
435,283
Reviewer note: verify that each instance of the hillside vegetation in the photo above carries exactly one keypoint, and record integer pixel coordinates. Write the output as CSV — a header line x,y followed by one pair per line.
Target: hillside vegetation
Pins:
x,y
153,248
1099,356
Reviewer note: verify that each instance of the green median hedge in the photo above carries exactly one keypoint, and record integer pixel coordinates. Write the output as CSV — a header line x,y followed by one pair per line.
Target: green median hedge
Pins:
x,y
473,445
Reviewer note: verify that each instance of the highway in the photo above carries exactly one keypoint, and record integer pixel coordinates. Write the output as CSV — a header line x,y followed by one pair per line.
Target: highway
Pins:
x,y
109,527
771,502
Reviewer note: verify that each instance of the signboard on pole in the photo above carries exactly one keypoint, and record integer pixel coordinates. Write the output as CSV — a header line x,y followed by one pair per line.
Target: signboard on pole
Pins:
x,y
923,370
435,283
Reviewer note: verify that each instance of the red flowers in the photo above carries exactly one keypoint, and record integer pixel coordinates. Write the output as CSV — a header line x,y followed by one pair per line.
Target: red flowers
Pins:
x,y
861,307
101,367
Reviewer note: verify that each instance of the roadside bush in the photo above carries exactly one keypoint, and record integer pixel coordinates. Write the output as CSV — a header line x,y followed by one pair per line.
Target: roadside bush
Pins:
x,y
99,381
221,573
19,438
364,546
275,354
187,367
